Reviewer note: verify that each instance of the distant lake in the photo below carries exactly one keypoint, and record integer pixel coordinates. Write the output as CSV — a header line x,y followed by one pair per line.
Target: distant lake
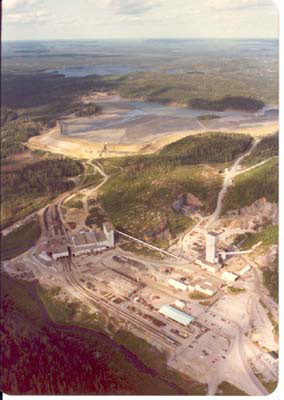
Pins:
x,y
104,69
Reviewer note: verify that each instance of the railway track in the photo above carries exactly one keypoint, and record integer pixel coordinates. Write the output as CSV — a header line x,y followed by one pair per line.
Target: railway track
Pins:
x,y
164,339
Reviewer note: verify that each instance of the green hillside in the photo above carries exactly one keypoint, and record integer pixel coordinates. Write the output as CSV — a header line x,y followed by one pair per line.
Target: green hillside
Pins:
x,y
37,183
139,196
250,186
139,201
209,147
266,148
206,91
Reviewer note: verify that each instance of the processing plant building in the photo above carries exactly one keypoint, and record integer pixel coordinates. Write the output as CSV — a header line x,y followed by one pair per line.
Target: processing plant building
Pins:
x,y
211,242
84,243
177,315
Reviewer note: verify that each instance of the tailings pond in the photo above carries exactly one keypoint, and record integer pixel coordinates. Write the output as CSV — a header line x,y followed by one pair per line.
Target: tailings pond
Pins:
x,y
129,122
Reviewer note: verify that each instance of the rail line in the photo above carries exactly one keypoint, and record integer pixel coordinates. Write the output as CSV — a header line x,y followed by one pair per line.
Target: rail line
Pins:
x,y
168,341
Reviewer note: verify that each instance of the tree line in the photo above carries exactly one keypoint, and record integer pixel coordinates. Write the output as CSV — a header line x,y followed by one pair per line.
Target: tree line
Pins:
x,y
43,177
40,357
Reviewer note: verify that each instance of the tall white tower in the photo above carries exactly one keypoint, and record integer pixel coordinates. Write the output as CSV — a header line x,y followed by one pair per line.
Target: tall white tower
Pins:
x,y
109,232
211,243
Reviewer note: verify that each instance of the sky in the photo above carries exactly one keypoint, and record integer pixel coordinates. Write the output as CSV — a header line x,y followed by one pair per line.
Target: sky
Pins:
x,y
100,19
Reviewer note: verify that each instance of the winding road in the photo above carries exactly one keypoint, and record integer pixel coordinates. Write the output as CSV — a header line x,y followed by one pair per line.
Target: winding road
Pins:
x,y
228,181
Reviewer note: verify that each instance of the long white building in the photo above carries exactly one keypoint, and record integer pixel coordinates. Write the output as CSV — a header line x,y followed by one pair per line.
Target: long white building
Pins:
x,y
177,284
177,315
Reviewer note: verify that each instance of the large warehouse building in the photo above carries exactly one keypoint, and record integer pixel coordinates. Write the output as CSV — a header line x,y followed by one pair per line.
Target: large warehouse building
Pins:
x,y
177,315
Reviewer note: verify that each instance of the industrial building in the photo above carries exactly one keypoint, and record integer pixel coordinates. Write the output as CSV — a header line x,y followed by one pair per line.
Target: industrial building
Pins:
x,y
108,230
210,262
180,304
211,243
244,270
60,251
203,286
208,266
84,243
177,284
177,315
229,276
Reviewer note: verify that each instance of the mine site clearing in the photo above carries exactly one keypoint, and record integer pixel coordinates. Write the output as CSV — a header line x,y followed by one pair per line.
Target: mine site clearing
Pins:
x,y
182,307
200,307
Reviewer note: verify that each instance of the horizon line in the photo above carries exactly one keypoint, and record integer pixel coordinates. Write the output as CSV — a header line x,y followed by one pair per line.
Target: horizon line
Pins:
x,y
143,38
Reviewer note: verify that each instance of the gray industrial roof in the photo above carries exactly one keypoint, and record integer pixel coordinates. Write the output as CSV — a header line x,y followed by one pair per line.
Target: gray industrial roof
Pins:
x,y
90,237
60,249
100,236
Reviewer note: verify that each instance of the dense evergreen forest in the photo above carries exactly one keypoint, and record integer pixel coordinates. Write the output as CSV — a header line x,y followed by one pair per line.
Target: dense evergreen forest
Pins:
x,y
44,177
266,148
228,102
41,357
26,189
20,240
207,148
250,186
14,134
204,91
44,97
23,91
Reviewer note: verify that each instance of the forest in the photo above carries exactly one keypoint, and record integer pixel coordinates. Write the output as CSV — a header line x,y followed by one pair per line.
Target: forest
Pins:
x,y
267,147
14,134
250,186
271,279
205,91
46,177
140,202
69,360
7,115
45,97
211,147
36,184
228,102
139,199
20,240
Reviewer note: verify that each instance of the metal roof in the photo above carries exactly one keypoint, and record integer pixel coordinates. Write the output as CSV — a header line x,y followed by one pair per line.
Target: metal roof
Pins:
x,y
212,233
100,236
90,237
60,249
177,315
